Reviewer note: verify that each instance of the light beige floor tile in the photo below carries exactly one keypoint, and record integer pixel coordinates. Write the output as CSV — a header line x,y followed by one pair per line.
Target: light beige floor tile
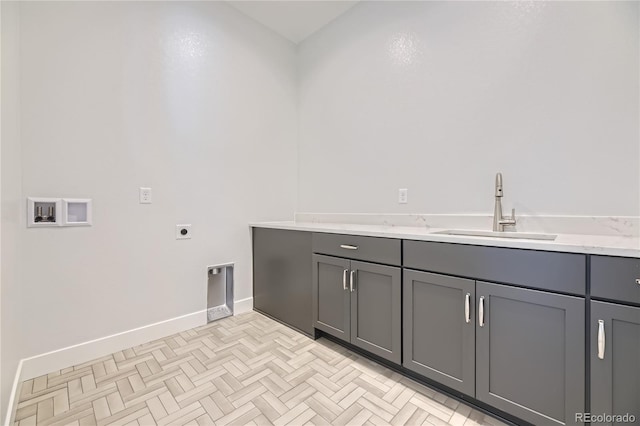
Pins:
x,y
60,403
233,417
275,402
345,417
156,408
29,410
457,419
131,418
88,382
101,408
29,421
288,417
26,389
35,400
45,410
322,409
306,415
241,370
213,411
377,421
374,409
418,417
403,416
352,397
115,402
40,383
125,416
89,420
69,416
205,420
93,394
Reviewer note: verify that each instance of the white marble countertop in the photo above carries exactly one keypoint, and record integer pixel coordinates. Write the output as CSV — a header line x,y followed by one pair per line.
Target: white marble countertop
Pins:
x,y
609,245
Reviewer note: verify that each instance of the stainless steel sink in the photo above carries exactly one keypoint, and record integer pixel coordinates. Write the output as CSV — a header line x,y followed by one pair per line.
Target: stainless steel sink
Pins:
x,y
494,234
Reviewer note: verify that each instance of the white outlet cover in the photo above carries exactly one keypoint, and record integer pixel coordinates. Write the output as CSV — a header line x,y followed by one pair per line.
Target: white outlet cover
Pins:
x,y
145,195
181,234
403,196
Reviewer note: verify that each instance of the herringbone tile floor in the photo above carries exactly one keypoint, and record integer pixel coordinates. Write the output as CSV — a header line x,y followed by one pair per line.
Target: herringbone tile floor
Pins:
x,y
243,370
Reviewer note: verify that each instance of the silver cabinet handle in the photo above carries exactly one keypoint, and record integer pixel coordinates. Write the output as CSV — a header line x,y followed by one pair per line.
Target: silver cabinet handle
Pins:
x,y
352,280
638,281
481,311
601,341
467,307
348,247
344,279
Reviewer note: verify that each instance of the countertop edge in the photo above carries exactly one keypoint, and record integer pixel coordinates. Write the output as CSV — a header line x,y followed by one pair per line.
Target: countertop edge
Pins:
x,y
565,243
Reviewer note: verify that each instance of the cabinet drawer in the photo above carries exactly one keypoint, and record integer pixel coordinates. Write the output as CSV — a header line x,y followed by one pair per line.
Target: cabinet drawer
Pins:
x,y
380,250
562,272
615,278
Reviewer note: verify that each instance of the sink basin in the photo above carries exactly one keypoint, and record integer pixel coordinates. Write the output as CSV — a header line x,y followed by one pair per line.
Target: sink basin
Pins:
x,y
493,234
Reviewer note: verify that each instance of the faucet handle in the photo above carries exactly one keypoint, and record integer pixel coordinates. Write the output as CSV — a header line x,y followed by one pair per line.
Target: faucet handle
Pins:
x,y
509,220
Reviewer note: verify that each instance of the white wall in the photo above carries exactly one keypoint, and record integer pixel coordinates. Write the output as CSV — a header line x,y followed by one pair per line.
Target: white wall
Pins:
x,y
437,97
11,297
199,102
192,99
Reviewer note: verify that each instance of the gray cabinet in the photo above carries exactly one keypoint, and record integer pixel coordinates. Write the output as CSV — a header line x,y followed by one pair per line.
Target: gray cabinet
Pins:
x,y
615,360
358,302
282,276
520,350
375,309
530,353
439,328
558,272
331,296
615,278
370,249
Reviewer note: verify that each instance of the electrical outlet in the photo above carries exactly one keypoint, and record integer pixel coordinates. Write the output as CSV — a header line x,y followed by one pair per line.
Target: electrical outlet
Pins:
x,y
183,232
145,195
403,196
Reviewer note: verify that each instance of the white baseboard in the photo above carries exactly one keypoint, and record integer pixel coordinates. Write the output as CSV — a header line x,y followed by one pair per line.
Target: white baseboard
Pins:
x,y
78,354
12,406
242,306
35,366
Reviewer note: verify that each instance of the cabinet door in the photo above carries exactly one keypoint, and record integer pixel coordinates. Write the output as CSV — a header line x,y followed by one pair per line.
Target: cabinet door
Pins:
x,y
282,276
530,353
439,329
331,296
615,369
375,309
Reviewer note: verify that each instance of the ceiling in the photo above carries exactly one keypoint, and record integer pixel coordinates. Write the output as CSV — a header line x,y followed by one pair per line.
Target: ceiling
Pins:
x,y
294,20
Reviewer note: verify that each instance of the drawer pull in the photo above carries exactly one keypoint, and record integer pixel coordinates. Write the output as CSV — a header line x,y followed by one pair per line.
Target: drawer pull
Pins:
x,y
352,280
348,247
481,311
638,281
344,279
601,340
467,308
